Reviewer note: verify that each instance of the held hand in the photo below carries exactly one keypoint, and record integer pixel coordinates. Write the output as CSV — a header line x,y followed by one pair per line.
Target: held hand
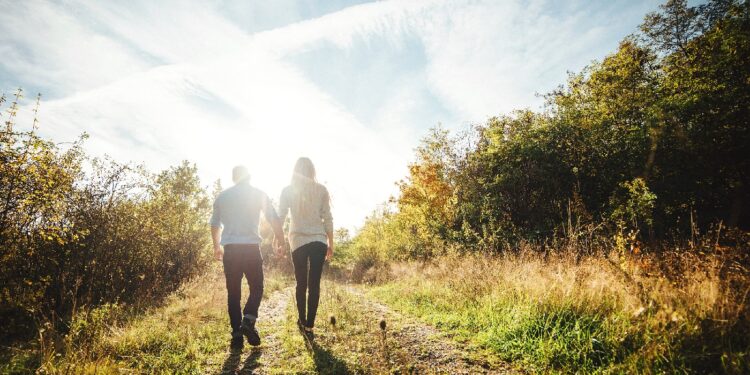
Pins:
x,y
329,253
218,252
278,245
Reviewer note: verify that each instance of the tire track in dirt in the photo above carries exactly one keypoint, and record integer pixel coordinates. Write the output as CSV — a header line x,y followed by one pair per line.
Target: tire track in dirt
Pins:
x,y
428,348
273,312
262,359
413,346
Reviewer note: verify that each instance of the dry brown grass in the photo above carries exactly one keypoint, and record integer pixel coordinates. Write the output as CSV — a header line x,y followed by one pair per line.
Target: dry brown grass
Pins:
x,y
673,310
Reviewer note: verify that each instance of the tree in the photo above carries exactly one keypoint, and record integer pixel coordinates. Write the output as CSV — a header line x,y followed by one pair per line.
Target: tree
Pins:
x,y
673,27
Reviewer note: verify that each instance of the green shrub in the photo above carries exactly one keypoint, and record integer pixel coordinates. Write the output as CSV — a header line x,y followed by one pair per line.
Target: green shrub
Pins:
x,y
78,233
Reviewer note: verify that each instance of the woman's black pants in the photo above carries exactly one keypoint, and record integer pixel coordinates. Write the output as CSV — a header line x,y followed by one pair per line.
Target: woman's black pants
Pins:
x,y
308,262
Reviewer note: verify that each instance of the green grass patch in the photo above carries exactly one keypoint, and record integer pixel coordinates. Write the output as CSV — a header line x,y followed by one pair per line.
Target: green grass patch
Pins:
x,y
556,334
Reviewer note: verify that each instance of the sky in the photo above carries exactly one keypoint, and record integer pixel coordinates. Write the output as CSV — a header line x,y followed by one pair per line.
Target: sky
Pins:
x,y
353,85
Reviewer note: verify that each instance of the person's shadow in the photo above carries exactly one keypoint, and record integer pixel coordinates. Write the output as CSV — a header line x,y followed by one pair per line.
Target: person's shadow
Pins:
x,y
232,363
325,361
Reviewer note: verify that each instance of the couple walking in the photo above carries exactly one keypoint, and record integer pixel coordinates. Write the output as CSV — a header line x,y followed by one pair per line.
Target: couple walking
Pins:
x,y
234,226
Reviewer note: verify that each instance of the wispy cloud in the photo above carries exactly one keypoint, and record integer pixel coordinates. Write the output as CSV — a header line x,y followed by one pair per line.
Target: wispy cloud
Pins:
x,y
46,45
157,82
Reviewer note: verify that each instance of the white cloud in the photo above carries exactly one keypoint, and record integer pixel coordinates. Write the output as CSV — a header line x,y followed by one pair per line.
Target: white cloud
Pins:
x,y
170,30
158,82
275,117
46,45
493,57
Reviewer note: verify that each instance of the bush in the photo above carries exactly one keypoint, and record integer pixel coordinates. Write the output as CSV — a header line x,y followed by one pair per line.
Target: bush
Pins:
x,y
634,145
74,240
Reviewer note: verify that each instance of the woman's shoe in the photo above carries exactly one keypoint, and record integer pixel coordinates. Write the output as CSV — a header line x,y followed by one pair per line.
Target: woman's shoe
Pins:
x,y
309,333
305,330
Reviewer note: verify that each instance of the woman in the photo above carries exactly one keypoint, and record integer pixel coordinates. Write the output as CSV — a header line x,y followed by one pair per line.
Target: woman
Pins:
x,y
310,237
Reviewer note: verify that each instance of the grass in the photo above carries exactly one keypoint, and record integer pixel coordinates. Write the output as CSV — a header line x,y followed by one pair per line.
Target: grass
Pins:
x,y
186,336
354,345
543,314
563,314
297,357
188,333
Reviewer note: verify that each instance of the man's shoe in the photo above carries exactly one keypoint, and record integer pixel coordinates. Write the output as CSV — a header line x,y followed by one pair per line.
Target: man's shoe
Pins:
x,y
253,338
248,329
237,342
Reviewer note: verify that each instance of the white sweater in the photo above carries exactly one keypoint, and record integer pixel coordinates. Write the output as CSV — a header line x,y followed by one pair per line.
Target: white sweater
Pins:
x,y
310,226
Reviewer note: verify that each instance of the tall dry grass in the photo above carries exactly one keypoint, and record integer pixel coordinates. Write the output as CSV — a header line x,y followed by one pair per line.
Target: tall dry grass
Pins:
x,y
666,311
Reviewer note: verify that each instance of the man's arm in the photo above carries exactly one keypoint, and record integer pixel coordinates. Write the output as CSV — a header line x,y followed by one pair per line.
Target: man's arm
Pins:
x,y
278,233
276,224
283,206
216,236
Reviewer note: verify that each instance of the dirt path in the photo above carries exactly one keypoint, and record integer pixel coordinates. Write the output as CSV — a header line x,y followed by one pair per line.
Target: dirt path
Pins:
x,y
428,348
263,359
189,334
354,344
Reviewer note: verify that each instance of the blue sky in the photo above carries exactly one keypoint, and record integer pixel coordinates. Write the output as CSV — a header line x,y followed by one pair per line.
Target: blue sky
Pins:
x,y
352,84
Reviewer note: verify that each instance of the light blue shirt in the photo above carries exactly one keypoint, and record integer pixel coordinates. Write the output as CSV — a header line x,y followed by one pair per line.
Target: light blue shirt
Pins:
x,y
238,210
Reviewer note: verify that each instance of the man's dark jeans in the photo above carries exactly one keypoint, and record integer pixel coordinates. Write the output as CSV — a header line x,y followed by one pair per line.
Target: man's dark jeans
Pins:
x,y
242,260
315,254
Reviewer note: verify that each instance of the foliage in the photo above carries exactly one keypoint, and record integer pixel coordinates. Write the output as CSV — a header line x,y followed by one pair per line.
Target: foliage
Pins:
x,y
641,142
78,232
679,313
633,204
628,152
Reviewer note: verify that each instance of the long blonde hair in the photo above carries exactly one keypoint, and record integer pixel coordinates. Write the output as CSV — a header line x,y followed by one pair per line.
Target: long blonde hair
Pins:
x,y
304,186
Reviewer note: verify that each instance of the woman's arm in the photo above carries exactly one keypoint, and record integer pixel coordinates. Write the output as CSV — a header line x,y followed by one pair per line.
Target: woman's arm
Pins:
x,y
327,221
329,253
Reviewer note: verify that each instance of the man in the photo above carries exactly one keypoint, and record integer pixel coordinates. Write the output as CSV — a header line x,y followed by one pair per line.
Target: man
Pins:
x,y
238,210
